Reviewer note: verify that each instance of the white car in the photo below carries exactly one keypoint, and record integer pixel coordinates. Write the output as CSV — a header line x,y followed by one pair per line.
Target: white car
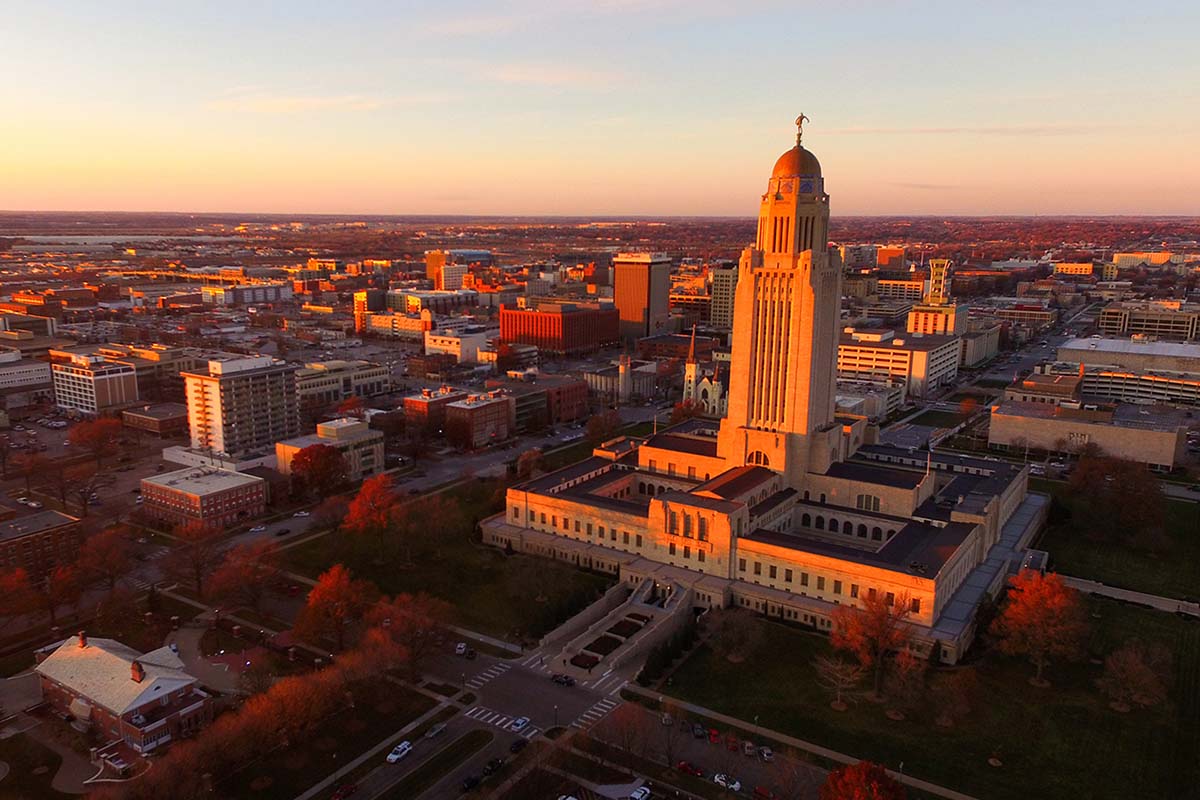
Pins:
x,y
728,781
34,504
301,514
518,724
399,751
258,529
460,649
640,793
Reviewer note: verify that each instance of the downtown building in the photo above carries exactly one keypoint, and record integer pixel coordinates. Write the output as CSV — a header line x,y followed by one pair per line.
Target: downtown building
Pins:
x,y
781,507
242,404
642,294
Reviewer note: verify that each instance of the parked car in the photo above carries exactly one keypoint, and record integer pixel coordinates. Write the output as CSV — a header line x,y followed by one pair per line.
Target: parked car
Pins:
x,y
435,730
728,781
258,529
470,782
301,514
493,766
732,744
470,654
766,754
518,745
667,720
399,751
748,748
763,793
562,680
518,724
640,793
688,768
345,790
283,531
714,736
460,649
699,732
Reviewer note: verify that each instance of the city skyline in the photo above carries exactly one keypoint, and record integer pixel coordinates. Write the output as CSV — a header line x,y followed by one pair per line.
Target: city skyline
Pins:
x,y
618,108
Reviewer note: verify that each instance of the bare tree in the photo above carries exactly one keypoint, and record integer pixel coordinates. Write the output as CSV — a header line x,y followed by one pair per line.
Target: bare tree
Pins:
x,y
840,677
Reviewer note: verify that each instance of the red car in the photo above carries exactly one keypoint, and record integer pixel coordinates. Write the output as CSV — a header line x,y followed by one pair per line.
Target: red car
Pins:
x,y
344,791
732,744
714,736
763,793
689,769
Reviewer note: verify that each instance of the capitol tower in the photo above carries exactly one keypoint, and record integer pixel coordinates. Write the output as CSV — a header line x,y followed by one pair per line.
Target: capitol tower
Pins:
x,y
786,312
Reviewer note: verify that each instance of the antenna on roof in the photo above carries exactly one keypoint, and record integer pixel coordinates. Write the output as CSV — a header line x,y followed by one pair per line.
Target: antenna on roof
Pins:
x,y
928,462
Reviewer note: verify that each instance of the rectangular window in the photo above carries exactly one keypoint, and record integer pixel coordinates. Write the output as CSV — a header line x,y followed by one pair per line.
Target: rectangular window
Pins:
x,y
577,526
613,534
890,599
804,579
687,551
687,525
653,465
692,472
516,513
601,531
758,568
700,556
671,548
787,575
837,587
915,606
638,540
771,572
543,517
703,529
820,583
566,524
589,529
741,565
625,537
554,521
531,516
870,594
854,590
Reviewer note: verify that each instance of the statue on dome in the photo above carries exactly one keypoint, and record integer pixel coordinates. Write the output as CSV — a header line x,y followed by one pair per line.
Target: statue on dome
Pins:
x,y
800,120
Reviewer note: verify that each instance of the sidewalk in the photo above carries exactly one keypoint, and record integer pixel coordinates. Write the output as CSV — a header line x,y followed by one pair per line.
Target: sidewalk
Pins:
x,y
798,744
1168,604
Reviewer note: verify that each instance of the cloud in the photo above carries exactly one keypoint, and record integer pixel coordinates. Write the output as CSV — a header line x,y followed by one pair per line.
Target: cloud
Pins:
x,y
552,75
478,25
924,187
1031,129
254,100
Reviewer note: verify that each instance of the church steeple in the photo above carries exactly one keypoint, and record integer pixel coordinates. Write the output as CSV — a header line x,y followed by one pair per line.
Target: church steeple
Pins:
x,y
691,359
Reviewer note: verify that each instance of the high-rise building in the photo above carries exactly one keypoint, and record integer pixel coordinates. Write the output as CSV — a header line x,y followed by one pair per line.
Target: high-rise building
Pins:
x,y
242,404
367,301
724,285
642,292
781,387
91,383
939,314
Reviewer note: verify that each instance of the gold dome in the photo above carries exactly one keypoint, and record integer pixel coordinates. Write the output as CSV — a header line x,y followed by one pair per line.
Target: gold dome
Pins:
x,y
796,162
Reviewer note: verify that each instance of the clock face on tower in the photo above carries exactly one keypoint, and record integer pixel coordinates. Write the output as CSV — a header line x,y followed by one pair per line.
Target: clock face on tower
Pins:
x,y
785,186
806,185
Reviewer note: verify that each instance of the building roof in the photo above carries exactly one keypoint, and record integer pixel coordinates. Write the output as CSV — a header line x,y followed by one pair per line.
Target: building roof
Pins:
x,y
684,444
796,162
201,480
1123,415
101,672
737,481
159,411
1134,347
34,523
898,341
882,476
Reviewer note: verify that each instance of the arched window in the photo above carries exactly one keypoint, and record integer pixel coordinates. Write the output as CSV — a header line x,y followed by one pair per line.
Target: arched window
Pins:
x,y
848,527
833,525
820,523
876,533
759,458
862,531
806,520
806,494
641,487
822,497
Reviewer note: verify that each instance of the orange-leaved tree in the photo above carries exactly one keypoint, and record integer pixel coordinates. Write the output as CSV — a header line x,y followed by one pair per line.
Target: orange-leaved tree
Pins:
x,y
246,574
338,600
98,436
413,623
198,553
319,469
1042,619
105,557
865,780
873,631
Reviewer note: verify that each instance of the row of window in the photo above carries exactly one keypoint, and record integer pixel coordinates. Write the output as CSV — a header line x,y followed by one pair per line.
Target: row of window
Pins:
x,y
846,527
687,552
773,574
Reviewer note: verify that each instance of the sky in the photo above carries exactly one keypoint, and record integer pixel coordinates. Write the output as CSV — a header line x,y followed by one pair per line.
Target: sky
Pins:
x,y
612,107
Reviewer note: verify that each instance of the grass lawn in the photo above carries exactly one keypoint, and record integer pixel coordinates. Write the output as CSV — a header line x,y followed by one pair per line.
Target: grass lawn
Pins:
x,y
439,764
938,419
24,756
379,711
491,592
1174,572
1062,742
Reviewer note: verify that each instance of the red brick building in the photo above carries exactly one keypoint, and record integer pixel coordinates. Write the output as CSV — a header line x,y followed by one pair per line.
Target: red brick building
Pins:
x,y
427,410
561,329
480,419
217,497
38,542
143,700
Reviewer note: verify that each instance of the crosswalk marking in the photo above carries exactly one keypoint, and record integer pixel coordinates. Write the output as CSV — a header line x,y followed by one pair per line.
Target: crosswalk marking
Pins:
x,y
490,717
491,673
597,712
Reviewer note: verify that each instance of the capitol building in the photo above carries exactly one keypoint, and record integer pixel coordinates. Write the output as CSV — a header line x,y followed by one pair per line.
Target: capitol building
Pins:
x,y
783,506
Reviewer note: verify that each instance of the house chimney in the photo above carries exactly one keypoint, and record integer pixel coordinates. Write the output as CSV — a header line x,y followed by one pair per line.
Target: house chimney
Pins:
x,y
82,639
137,671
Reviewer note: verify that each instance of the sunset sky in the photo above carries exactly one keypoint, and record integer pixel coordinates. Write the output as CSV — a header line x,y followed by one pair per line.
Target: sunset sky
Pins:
x,y
618,107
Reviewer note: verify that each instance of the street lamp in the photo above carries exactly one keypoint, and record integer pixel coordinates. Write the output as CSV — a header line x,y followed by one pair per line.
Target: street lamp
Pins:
x,y
556,715
464,681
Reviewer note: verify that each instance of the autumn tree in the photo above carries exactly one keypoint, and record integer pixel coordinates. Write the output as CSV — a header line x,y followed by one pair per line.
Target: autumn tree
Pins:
x,y
628,727
425,524
320,469
334,603
458,433
351,407
839,676
84,481
414,622
196,555
105,557
1117,500
373,508
5,452
16,593
604,426
685,410
530,462
330,512
1042,619
246,574
732,633
29,466
1136,674
670,736
873,631
98,436
794,779
862,781
61,587
967,406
